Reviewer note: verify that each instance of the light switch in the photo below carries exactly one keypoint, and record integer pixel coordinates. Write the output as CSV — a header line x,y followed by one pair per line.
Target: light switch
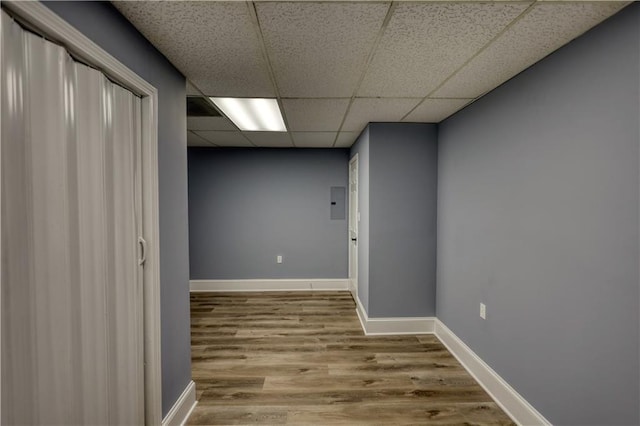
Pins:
x,y
338,203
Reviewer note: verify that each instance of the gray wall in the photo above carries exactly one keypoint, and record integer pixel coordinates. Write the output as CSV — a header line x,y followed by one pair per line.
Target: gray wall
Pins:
x,y
402,234
246,206
361,148
538,218
105,26
397,235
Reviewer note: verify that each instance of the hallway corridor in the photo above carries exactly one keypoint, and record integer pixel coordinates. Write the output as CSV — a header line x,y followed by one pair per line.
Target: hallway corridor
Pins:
x,y
301,358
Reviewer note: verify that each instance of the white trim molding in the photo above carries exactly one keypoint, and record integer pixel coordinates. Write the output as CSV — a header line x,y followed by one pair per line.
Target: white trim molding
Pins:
x,y
391,326
502,393
182,409
315,284
352,288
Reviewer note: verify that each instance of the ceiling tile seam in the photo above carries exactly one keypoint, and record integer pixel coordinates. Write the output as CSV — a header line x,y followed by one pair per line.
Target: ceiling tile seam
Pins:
x,y
217,109
214,105
469,102
250,141
197,88
415,1
468,61
313,131
460,109
265,53
389,97
305,98
342,98
204,139
370,56
223,131
435,98
550,2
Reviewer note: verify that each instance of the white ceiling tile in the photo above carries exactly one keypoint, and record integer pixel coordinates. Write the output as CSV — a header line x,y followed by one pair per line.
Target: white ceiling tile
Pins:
x,y
319,49
314,139
346,139
270,139
195,140
366,110
225,138
213,43
315,114
210,123
545,28
425,42
435,110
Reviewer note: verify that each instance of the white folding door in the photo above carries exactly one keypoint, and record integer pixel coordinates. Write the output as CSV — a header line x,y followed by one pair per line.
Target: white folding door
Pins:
x,y
72,306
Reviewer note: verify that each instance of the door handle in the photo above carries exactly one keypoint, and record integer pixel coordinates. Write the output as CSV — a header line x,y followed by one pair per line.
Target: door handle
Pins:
x,y
143,251
354,239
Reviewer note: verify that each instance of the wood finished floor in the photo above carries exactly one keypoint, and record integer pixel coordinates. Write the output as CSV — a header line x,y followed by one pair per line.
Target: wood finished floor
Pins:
x,y
301,358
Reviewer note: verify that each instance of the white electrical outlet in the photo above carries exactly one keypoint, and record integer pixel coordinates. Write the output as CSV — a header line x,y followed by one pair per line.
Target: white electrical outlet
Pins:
x,y
483,311
279,259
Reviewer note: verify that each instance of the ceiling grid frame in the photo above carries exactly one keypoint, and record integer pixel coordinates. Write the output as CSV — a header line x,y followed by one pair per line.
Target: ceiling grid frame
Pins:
x,y
265,53
535,7
489,43
372,52
193,135
207,135
458,86
195,91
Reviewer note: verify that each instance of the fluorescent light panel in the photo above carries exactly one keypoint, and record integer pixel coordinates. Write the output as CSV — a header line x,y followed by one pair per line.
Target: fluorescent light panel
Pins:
x,y
252,114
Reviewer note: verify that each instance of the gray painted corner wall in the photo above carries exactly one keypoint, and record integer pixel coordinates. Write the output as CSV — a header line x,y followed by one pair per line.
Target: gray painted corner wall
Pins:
x,y
402,234
397,236
538,217
361,148
246,206
103,24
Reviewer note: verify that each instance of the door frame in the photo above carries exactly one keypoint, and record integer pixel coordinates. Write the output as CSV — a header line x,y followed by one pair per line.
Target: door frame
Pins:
x,y
37,16
353,280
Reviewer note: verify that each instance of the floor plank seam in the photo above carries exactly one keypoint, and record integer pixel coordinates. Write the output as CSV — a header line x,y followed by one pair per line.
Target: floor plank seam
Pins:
x,y
302,358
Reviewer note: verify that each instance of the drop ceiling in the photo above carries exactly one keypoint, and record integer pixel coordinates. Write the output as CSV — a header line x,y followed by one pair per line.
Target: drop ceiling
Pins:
x,y
335,66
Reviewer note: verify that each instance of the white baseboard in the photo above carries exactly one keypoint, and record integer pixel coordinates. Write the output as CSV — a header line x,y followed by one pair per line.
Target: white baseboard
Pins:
x,y
352,288
502,393
183,407
321,284
390,326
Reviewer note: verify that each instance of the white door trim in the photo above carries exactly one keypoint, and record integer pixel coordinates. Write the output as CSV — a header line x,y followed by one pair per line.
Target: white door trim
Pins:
x,y
38,16
353,280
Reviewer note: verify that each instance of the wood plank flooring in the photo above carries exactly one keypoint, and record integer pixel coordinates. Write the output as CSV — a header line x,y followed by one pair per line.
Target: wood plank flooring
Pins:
x,y
301,358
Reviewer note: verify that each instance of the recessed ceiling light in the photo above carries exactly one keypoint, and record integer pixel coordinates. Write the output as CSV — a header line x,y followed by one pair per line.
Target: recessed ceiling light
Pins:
x,y
252,114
